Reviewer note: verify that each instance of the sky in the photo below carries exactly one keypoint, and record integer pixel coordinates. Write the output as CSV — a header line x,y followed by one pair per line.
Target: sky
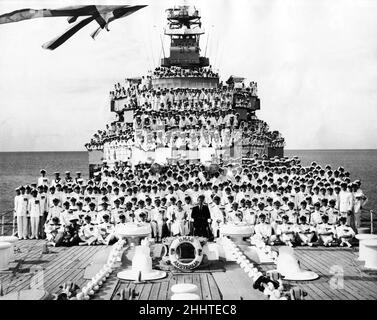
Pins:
x,y
315,62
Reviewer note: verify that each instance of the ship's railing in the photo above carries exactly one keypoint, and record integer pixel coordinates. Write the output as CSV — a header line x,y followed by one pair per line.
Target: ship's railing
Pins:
x,y
7,223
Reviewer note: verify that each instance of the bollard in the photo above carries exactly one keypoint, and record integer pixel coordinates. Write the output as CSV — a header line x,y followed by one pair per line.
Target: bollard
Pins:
x,y
45,249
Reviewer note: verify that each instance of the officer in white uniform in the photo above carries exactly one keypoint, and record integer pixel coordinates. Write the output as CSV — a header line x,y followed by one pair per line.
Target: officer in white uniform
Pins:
x,y
35,211
20,213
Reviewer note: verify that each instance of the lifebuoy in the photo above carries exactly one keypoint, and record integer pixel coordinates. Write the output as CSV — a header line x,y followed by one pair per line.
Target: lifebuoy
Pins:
x,y
198,253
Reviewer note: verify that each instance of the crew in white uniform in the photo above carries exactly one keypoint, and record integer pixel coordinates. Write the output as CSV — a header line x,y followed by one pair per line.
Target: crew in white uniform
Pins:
x,y
20,213
344,233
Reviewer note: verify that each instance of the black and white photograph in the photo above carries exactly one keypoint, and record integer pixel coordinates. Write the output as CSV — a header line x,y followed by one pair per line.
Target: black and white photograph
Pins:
x,y
199,151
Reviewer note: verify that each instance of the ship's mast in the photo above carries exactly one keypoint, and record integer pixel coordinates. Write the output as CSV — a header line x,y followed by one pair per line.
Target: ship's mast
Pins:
x,y
184,29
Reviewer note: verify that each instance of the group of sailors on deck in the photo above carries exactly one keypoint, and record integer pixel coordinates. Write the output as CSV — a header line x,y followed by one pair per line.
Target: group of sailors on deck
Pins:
x,y
177,129
283,201
175,71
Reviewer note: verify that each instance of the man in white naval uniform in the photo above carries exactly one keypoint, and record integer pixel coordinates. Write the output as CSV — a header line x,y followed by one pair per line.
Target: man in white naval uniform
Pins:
x,y
43,180
217,216
20,212
35,211
346,205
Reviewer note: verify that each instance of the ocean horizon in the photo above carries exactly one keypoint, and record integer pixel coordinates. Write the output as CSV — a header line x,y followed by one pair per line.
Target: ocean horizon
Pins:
x,y
22,167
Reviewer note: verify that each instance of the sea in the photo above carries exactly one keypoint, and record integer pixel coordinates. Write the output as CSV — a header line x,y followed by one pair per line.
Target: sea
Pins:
x,y
20,168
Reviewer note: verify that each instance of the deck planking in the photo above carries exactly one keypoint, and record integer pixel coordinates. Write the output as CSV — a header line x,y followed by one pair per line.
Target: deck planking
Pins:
x,y
68,264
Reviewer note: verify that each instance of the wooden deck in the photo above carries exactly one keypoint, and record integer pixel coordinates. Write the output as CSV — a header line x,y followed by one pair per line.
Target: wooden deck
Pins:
x,y
69,264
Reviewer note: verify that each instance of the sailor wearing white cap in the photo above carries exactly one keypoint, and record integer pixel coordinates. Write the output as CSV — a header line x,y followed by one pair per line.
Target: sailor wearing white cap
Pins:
x,y
305,231
52,229
316,217
43,180
20,213
56,180
325,231
346,203
68,179
286,231
344,233
106,229
263,230
78,178
157,218
103,211
89,233
35,211
55,210
217,216
360,200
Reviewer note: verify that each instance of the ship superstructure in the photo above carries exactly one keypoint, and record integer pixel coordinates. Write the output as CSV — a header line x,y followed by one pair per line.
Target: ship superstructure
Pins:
x,y
182,111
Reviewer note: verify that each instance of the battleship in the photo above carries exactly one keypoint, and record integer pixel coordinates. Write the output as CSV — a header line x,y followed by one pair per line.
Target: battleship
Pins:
x,y
180,125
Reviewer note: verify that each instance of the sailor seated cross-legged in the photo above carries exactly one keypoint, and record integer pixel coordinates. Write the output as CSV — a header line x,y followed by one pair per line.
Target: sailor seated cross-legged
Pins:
x,y
286,231
325,231
263,231
316,216
305,232
106,229
234,215
344,233
52,230
89,233
71,233
157,219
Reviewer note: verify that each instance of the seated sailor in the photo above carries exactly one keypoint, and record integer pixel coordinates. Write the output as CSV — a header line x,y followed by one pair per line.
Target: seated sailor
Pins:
x,y
305,232
52,230
234,215
304,211
179,224
332,212
119,229
344,233
263,230
276,216
325,231
71,233
89,232
157,219
249,216
286,231
106,229
104,211
316,216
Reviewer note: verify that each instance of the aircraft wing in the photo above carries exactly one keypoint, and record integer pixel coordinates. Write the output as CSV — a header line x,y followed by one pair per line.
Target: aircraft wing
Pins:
x,y
71,11
103,14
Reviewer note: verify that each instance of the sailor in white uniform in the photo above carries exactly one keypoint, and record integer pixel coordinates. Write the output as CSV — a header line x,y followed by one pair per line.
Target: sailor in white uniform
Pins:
x,y
286,231
263,230
344,233
217,216
35,211
305,231
43,180
20,213
325,231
